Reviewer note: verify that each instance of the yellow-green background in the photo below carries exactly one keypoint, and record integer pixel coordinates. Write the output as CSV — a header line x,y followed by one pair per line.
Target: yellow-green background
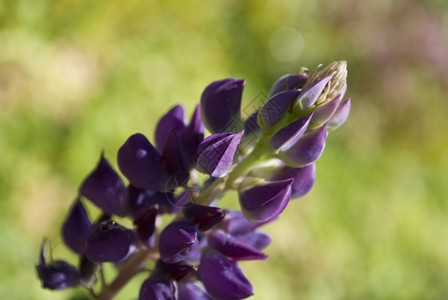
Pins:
x,y
79,76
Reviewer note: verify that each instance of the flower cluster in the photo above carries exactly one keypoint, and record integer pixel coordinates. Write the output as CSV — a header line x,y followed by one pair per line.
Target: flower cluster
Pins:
x,y
268,158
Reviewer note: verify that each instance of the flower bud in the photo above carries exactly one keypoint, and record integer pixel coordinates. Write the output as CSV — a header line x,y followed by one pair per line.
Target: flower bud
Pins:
x,y
140,162
104,188
157,287
310,94
176,241
288,82
173,120
191,137
173,161
233,248
191,291
146,225
274,109
340,116
265,201
222,278
56,275
216,153
76,228
221,103
286,137
109,242
205,217
307,150
324,112
303,178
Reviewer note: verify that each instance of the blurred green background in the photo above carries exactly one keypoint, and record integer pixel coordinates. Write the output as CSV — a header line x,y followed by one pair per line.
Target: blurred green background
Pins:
x,y
79,76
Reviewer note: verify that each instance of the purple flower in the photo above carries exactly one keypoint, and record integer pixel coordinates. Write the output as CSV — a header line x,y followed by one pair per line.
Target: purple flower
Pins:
x,y
323,112
288,82
234,248
56,275
307,150
109,242
205,217
286,137
173,120
76,228
303,178
216,153
146,225
309,95
175,271
104,188
340,116
265,201
221,103
274,109
157,287
236,223
176,241
191,291
191,137
173,161
222,278
140,162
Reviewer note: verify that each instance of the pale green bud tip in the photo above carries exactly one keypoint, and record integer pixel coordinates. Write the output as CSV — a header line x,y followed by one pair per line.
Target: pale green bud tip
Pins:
x,y
338,72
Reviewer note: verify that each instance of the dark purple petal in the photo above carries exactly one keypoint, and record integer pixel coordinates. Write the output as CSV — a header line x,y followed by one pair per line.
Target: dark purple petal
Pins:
x,y
191,291
87,270
138,200
76,228
222,278
257,240
205,217
236,223
173,161
157,287
146,225
221,103
309,95
173,120
286,137
175,271
140,162
196,251
324,112
340,116
176,241
191,137
307,150
216,153
266,201
104,188
233,248
303,179
56,275
274,109
109,242
288,82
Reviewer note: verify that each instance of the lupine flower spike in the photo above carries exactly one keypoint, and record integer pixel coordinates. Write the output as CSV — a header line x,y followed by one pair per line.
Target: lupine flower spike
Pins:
x,y
177,231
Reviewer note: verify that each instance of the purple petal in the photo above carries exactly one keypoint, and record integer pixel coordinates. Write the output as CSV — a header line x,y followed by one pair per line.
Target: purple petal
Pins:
x,y
257,240
307,150
174,163
196,251
323,113
191,291
236,223
286,137
222,278
109,242
266,201
288,82
146,225
191,137
175,271
205,217
76,228
104,188
233,248
173,120
216,153
176,241
221,103
309,95
157,287
140,162
340,116
303,179
274,109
